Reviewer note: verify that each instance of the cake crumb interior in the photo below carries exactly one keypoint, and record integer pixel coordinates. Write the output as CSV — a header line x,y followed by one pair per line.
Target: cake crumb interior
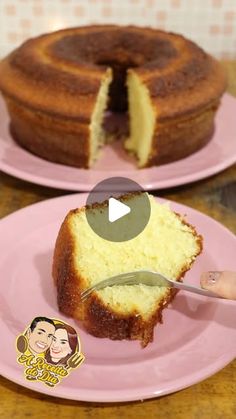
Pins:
x,y
97,132
114,94
142,119
166,245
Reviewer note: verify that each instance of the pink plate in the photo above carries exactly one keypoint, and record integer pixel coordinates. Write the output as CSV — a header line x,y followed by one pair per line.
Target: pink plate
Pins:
x,y
197,338
216,156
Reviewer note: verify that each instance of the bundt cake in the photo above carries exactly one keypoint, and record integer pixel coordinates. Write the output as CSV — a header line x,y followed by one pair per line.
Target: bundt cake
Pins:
x,y
168,244
57,87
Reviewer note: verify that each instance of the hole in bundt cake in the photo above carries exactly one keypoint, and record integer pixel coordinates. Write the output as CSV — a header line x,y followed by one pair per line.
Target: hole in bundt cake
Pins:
x,y
118,101
129,97
116,120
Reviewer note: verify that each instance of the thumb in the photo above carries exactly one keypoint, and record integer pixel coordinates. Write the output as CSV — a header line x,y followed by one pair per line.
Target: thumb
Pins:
x,y
222,283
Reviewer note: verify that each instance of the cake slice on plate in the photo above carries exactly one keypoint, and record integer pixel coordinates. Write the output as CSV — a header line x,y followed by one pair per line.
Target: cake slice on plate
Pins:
x,y
168,245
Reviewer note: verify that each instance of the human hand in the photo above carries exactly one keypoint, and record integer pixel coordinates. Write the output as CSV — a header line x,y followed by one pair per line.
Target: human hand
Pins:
x,y
222,283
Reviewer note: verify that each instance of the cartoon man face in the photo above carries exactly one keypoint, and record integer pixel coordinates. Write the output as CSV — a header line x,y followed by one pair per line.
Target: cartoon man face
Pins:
x,y
40,335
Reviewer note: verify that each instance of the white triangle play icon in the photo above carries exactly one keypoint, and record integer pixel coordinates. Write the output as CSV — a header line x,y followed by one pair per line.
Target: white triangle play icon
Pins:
x,y
116,210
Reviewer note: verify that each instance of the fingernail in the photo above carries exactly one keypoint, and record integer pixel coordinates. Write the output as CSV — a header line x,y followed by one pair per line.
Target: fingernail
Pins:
x,y
212,277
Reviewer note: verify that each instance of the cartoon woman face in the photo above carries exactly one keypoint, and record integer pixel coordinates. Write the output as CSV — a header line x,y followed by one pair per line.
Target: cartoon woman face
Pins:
x,y
60,346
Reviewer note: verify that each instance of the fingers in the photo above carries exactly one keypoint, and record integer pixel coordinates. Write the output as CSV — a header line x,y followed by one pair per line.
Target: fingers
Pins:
x,y
222,283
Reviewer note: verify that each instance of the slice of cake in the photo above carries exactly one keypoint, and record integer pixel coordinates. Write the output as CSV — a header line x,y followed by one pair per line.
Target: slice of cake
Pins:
x,y
168,245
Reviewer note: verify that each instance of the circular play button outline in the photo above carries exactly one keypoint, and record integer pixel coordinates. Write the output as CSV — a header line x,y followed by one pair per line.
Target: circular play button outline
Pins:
x,y
118,209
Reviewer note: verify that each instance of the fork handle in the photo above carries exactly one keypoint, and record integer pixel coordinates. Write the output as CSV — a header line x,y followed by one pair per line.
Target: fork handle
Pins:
x,y
191,288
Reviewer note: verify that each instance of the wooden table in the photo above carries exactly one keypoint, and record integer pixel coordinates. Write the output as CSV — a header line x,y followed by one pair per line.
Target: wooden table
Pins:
x,y
215,397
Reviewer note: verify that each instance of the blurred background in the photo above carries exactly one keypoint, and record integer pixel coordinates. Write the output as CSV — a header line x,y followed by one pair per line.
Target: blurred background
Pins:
x,y
211,23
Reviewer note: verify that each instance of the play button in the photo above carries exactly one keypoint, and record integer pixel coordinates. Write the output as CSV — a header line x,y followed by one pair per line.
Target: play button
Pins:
x,y
118,209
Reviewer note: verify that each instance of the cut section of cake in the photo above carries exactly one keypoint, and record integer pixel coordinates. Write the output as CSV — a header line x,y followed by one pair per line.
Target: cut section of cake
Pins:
x,y
57,87
168,245
97,132
142,116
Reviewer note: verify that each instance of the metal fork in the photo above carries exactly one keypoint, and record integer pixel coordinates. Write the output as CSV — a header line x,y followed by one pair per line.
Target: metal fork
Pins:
x,y
146,277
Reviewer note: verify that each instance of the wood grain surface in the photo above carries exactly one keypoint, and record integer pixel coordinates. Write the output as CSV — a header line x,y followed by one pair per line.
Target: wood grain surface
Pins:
x,y
213,398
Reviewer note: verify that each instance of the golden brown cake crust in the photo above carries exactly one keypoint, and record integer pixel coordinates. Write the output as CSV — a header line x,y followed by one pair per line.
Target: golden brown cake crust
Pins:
x,y
58,140
57,77
71,63
178,138
98,319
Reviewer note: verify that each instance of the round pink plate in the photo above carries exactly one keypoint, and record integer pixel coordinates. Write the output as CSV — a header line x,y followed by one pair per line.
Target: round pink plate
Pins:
x,y
216,156
197,337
